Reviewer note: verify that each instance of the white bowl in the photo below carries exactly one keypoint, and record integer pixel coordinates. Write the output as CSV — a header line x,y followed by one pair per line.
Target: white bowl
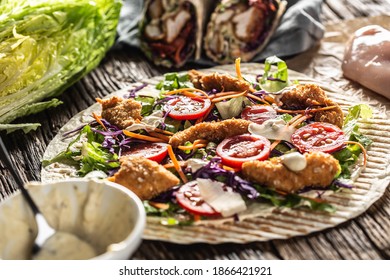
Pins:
x,y
106,215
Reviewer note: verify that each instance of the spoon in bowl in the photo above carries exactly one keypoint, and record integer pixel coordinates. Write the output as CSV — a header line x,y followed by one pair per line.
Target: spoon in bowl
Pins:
x,y
44,229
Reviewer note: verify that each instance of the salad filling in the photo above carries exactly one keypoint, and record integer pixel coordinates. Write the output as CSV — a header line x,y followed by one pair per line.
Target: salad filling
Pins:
x,y
213,166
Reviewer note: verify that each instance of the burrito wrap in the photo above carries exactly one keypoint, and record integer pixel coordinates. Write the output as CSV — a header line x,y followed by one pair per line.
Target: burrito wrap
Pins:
x,y
241,28
171,31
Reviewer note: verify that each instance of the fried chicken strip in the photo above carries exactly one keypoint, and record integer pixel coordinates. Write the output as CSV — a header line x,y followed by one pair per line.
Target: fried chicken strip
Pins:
x,y
219,82
146,178
312,96
320,171
120,112
210,131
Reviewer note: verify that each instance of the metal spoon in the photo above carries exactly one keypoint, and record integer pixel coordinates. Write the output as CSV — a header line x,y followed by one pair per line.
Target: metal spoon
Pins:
x,y
44,229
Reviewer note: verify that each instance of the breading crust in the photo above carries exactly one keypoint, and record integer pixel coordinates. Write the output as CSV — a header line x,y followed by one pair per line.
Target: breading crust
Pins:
x,y
146,178
320,171
210,131
120,112
311,96
215,81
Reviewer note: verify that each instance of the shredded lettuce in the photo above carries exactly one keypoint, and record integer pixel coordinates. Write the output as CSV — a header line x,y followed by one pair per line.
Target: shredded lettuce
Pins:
x,y
351,127
87,154
174,81
277,80
46,46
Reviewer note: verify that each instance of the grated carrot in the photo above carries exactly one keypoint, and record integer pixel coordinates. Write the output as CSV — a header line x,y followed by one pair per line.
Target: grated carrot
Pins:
x,y
228,168
181,90
274,144
159,205
363,150
176,164
257,98
238,68
99,121
201,119
217,99
163,131
170,165
307,111
141,137
192,147
299,121
163,137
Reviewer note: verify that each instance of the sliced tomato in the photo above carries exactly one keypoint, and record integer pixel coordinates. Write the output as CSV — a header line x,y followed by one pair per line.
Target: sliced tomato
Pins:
x,y
236,150
189,198
187,108
153,151
258,113
318,136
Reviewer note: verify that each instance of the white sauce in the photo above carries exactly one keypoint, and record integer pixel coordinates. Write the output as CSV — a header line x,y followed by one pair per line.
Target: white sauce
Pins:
x,y
275,129
227,203
195,164
65,246
294,161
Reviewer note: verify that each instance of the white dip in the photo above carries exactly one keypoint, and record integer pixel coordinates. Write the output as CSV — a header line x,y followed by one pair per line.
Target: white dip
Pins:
x,y
65,246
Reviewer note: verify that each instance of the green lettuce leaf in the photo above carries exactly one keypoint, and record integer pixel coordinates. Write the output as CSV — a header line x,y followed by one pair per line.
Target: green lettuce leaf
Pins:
x,y
274,81
174,81
47,45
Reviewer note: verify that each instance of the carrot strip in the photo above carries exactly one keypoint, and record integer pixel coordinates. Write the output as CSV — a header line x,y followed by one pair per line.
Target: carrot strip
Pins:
x,y
294,119
99,121
201,119
274,144
299,121
200,141
257,98
228,97
192,147
228,168
181,90
163,131
176,164
163,137
142,137
170,165
363,150
238,68
159,205
305,111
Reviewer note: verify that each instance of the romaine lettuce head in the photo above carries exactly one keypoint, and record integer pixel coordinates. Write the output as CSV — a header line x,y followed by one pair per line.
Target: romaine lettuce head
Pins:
x,y
46,46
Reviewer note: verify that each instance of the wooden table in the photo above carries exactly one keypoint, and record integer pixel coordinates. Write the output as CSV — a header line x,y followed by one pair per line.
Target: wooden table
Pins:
x,y
365,237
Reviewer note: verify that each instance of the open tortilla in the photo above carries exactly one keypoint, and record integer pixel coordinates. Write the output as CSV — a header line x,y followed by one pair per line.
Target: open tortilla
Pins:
x,y
262,222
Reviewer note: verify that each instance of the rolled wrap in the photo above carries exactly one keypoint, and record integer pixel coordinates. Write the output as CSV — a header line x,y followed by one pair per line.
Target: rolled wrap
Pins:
x,y
241,28
171,31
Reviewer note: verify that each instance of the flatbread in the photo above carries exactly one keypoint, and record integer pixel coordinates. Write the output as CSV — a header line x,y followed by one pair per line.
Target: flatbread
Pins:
x,y
262,223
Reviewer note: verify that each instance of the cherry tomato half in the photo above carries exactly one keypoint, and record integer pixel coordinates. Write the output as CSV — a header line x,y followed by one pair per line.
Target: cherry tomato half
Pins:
x,y
187,108
236,150
153,151
189,198
321,137
258,113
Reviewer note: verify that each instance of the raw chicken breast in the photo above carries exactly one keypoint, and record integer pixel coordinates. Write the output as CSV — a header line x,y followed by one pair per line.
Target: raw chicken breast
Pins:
x,y
367,59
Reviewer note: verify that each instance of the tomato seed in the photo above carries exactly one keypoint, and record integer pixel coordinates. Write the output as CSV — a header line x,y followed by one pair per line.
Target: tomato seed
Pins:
x,y
306,135
329,141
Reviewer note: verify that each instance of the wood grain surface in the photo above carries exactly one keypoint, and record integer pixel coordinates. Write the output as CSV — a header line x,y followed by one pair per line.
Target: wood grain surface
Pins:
x,y
365,237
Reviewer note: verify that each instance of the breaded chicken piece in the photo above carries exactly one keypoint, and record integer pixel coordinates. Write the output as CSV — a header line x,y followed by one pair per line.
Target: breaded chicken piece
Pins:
x,y
210,131
146,178
120,112
220,82
320,171
312,96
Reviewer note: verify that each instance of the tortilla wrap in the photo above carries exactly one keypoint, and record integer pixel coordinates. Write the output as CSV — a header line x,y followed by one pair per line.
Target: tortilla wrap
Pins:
x,y
240,28
261,222
171,32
